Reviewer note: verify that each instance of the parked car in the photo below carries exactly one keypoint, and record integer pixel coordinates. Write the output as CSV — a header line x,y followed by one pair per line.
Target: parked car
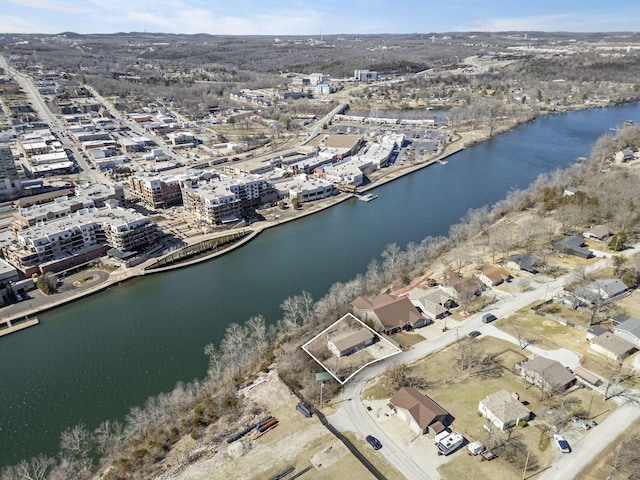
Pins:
x,y
374,442
581,422
474,334
488,318
562,444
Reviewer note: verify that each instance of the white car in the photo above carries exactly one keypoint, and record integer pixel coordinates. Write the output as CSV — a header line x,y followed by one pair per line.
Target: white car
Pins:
x,y
562,444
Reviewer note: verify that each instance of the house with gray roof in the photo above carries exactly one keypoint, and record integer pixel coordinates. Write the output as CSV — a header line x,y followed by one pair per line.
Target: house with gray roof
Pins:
x,y
349,341
599,232
522,261
629,330
430,302
605,291
612,346
572,245
549,375
503,409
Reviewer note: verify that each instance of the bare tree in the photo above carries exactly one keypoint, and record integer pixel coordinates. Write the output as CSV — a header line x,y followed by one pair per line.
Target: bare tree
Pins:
x,y
78,443
37,468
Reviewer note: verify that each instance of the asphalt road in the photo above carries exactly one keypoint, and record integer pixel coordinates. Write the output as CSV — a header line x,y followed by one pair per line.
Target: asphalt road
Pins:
x,y
353,415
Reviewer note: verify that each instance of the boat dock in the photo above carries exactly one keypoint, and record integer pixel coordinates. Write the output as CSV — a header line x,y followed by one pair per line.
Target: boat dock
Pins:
x,y
11,326
367,197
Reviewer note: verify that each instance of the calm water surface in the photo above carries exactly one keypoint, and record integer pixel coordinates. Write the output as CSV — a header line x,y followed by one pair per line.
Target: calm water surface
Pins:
x,y
94,359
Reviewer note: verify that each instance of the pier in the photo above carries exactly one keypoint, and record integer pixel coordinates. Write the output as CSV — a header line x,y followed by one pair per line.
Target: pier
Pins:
x,y
11,326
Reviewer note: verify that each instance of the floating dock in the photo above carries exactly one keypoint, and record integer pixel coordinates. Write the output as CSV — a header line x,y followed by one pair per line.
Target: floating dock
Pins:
x,y
367,197
11,326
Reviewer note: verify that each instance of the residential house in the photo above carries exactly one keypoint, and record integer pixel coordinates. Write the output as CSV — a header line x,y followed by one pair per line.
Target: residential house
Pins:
x,y
432,303
612,346
503,409
629,330
389,313
625,155
522,261
605,291
598,232
573,245
492,275
419,411
349,341
547,374
463,288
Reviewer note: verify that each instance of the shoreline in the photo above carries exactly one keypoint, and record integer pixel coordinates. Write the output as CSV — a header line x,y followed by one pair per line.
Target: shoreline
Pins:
x,y
462,141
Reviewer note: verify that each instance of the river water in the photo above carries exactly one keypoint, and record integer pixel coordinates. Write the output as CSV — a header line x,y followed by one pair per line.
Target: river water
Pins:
x,y
94,359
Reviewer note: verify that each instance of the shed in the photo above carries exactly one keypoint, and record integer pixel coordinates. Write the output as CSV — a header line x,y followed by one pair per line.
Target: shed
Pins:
x,y
476,448
586,376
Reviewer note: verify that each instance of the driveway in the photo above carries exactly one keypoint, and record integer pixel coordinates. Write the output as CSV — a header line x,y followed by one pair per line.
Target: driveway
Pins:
x,y
353,415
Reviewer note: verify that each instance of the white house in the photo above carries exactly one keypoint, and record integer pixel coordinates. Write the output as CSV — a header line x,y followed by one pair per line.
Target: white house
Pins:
x,y
503,409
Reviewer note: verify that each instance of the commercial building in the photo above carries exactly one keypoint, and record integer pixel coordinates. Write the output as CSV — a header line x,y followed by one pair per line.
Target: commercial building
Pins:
x,y
10,186
365,76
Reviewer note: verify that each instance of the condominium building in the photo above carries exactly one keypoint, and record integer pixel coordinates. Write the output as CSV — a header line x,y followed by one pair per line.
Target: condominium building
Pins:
x,y
156,192
221,200
77,238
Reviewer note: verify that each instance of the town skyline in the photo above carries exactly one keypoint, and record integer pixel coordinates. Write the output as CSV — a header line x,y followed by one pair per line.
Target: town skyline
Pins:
x,y
276,17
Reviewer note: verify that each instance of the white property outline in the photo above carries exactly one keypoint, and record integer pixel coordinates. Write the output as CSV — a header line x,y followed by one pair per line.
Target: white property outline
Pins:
x,y
381,336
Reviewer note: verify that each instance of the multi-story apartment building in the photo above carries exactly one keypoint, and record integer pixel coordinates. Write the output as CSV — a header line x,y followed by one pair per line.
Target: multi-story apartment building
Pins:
x,y
77,238
156,192
221,200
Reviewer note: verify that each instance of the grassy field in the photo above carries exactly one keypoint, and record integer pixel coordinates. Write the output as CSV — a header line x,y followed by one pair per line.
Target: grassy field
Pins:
x,y
459,393
548,334
384,467
600,467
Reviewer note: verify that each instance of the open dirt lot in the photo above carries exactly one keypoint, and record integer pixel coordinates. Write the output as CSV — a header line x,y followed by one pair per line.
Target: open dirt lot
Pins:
x,y
297,441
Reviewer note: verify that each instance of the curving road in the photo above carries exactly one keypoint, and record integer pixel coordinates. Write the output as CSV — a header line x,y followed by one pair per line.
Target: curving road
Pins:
x,y
353,415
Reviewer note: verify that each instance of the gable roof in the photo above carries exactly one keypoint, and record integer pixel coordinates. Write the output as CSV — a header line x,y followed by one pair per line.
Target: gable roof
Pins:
x,y
366,303
606,289
573,245
423,410
614,344
466,285
552,372
631,326
351,338
495,273
398,313
431,301
597,231
525,261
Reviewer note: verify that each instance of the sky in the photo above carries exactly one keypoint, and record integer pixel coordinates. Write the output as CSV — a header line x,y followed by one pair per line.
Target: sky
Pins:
x,y
298,17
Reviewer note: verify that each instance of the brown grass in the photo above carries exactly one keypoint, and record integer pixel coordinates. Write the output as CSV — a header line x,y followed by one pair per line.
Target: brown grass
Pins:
x,y
600,467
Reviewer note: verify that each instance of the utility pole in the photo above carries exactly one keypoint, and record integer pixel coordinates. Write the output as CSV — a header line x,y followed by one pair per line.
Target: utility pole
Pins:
x,y
526,464
321,389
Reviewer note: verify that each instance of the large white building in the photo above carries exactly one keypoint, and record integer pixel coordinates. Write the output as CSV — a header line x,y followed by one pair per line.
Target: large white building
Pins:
x,y
365,76
77,238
